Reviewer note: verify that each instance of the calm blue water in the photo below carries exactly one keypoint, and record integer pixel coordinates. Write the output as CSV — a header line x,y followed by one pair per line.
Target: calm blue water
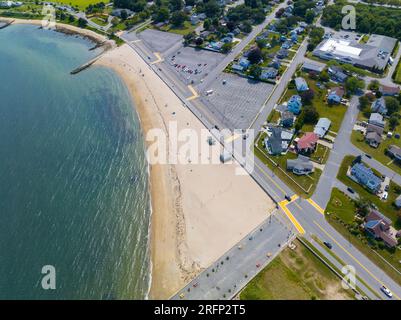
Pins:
x,y
73,174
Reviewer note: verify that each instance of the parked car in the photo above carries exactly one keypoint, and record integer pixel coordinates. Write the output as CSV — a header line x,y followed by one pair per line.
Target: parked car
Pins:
x,y
287,197
384,195
386,291
368,156
350,190
328,244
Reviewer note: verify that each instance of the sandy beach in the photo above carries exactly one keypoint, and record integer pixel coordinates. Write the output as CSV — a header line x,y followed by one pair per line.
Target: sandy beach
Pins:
x,y
65,28
199,210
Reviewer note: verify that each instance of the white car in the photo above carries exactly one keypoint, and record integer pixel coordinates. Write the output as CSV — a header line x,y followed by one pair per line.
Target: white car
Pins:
x,y
384,195
386,291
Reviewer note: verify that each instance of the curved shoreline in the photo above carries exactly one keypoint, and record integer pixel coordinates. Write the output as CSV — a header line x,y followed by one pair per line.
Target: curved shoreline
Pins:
x,y
65,28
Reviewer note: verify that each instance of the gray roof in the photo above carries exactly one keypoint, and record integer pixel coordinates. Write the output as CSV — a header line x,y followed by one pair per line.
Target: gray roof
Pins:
x,y
374,54
376,118
301,163
322,126
313,66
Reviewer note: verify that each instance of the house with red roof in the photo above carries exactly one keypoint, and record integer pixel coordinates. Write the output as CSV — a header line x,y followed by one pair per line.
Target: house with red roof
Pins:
x,y
379,227
307,143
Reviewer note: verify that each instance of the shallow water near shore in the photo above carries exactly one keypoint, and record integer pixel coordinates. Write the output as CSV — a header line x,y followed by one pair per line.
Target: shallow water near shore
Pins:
x,y
73,174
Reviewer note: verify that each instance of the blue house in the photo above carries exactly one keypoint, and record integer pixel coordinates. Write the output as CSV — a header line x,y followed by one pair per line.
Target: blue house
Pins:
x,y
244,62
268,73
294,104
379,106
365,176
301,84
335,95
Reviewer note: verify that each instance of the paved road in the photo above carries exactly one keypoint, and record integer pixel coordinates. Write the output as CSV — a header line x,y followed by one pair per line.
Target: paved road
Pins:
x,y
300,212
231,272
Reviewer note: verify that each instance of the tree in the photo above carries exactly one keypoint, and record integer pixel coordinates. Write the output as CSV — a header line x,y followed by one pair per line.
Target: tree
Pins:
x,y
392,105
246,27
353,85
176,5
212,9
310,115
363,102
227,47
261,43
178,18
309,16
307,96
362,206
162,14
82,23
255,71
374,85
255,56
207,24
324,76
199,41
393,121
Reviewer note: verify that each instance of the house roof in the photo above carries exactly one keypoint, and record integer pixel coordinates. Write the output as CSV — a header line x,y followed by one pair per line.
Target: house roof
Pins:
x,y
308,140
379,105
365,175
374,128
300,83
313,66
387,90
339,91
395,150
322,126
376,117
301,163
373,136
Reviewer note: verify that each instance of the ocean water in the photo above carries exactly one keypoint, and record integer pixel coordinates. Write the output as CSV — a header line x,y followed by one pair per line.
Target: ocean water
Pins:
x,y
73,173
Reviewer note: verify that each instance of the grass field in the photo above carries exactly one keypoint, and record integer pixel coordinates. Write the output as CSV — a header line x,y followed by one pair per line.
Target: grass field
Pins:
x,y
340,212
184,30
295,275
341,205
82,4
385,207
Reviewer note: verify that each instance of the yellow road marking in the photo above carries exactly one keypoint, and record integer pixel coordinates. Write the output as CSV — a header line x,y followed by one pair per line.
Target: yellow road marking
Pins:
x,y
283,205
270,178
159,58
194,93
362,266
316,206
232,138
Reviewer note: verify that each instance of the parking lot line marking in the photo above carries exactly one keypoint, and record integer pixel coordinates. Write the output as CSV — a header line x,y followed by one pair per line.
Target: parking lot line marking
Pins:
x,y
316,206
356,260
159,58
194,93
283,205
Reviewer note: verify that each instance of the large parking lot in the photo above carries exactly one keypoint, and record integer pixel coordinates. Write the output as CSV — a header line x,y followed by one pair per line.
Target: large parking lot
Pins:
x,y
159,41
191,65
236,103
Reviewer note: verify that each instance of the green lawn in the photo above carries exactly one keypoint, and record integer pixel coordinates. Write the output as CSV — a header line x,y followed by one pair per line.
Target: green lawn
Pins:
x,y
81,4
341,205
308,182
184,30
385,207
99,21
358,140
321,154
340,212
295,275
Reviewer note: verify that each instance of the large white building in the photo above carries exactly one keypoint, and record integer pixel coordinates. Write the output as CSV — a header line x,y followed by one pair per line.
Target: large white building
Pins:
x,y
373,55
